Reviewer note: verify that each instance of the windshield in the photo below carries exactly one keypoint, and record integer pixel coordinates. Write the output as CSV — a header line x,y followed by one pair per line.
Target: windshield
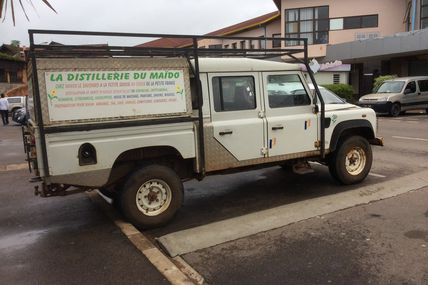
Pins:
x,y
391,87
331,98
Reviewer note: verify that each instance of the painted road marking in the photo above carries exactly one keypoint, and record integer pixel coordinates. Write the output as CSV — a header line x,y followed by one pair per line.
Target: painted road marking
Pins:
x,y
162,263
205,236
11,167
409,138
377,175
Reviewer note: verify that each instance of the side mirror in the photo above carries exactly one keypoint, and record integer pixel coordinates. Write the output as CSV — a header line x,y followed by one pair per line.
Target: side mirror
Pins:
x,y
408,91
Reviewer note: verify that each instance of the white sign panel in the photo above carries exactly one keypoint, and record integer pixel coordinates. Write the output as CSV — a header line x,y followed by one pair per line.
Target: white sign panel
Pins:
x,y
80,95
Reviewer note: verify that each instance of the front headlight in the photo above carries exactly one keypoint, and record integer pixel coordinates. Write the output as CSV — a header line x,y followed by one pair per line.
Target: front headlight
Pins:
x,y
382,99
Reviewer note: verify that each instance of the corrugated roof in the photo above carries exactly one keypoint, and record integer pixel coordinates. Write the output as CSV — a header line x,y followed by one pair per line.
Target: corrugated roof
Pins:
x,y
174,42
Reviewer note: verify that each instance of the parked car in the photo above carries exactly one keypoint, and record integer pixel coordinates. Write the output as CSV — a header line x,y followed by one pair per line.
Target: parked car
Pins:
x,y
16,103
398,95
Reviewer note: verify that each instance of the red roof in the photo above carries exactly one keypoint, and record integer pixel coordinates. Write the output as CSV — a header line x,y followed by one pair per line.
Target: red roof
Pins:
x,y
180,42
167,42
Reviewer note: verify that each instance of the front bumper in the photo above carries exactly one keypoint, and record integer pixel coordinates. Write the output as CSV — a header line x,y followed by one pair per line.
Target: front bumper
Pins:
x,y
378,107
376,141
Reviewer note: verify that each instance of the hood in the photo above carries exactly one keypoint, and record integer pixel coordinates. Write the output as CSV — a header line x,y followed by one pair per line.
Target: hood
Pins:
x,y
336,107
377,95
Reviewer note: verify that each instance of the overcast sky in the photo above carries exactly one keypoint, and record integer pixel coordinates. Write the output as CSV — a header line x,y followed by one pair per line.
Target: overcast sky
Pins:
x,y
139,16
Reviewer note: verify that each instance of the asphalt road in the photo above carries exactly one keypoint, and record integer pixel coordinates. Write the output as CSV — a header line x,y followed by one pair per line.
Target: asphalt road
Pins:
x,y
62,240
68,239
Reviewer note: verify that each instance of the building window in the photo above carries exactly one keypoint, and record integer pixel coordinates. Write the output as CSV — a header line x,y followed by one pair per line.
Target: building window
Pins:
x,y
234,45
226,46
262,43
234,93
424,14
215,46
252,46
276,43
336,24
336,78
310,23
242,44
359,22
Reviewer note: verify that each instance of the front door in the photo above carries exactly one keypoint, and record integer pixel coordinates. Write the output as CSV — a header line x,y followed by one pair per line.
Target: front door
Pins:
x,y
411,98
292,126
236,114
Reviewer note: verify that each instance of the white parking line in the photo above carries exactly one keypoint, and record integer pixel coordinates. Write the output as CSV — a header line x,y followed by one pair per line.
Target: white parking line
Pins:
x,y
377,175
409,138
11,167
208,235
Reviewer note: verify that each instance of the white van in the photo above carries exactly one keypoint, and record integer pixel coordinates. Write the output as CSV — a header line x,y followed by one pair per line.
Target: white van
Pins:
x,y
16,103
398,96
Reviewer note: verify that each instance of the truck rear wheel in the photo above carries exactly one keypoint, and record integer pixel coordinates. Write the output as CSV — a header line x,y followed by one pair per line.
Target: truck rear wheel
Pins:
x,y
351,162
151,196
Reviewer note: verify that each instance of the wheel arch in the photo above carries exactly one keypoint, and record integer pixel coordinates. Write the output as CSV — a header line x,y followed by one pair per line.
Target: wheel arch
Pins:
x,y
353,127
165,155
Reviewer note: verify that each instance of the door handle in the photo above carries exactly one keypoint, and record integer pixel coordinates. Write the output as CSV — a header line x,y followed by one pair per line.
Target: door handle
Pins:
x,y
277,128
223,133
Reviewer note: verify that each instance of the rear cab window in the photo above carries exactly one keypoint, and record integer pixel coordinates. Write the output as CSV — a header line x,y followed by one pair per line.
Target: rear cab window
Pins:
x,y
234,93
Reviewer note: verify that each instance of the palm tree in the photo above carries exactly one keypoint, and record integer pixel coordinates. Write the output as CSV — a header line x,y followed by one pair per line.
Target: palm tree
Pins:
x,y
4,4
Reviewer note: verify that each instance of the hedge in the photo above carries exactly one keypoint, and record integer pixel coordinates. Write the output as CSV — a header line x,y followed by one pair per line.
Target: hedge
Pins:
x,y
381,79
344,91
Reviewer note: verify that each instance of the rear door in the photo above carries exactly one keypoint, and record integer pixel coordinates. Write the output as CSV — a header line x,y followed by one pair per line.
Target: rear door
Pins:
x,y
423,90
236,114
292,126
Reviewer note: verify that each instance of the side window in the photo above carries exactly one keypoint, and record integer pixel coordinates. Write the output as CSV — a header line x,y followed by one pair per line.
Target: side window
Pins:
x,y
412,86
234,93
423,85
286,90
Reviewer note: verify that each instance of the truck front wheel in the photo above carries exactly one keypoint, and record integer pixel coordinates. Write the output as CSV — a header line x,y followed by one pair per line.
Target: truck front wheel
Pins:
x,y
351,162
151,196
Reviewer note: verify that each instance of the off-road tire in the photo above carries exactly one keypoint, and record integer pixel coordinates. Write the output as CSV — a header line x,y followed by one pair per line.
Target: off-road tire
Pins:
x,y
352,160
165,188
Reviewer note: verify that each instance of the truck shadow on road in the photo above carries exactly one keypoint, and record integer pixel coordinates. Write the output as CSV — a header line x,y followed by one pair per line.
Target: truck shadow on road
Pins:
x,y
227,196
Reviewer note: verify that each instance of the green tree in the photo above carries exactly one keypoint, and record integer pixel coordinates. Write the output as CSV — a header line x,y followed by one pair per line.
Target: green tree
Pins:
x,y
15,43
4,4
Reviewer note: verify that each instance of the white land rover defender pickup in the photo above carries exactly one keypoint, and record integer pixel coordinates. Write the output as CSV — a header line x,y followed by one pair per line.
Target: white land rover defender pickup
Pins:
x,y
137,122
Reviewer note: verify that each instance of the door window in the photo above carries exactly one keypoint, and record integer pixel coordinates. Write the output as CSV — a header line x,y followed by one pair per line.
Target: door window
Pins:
x,y
234,93
411,86
286,90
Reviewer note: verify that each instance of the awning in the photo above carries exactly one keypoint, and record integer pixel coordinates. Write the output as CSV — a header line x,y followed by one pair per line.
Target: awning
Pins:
x,y
401,44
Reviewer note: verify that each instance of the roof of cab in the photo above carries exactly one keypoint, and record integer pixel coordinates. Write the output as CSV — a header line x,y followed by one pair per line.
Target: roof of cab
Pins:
x,y
243,64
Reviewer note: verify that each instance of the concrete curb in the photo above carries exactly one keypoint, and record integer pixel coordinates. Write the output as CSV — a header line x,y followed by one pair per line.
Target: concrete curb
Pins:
x,y
162,263
190,240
